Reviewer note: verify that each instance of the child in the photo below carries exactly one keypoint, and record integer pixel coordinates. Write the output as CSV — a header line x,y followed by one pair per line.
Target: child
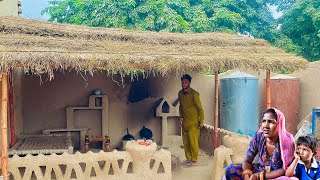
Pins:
x,y
304,165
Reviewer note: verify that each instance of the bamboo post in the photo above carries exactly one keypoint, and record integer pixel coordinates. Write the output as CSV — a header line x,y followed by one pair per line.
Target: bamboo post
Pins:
x,y
216,113
268,90
11,109
4,129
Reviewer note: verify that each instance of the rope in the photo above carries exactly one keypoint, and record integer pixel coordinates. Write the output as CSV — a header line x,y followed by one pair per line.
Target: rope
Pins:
x,y
85,79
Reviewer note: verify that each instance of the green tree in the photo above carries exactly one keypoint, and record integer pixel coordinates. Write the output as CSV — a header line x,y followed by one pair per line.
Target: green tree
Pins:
x,y
104,13
157,15
282,5
166,15
233,16
301,23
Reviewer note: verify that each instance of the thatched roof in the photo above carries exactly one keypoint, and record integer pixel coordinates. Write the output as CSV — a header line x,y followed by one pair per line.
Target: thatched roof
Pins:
x,y
44,46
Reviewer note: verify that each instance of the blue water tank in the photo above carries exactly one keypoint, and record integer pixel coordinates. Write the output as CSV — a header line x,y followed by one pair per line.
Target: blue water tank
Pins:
x,y
239,109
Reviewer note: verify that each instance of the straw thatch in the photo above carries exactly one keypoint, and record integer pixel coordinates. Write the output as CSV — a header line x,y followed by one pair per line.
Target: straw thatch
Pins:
x,y
44,46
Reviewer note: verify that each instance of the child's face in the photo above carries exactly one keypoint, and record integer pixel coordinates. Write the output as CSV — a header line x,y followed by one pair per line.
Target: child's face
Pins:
x,y
305,152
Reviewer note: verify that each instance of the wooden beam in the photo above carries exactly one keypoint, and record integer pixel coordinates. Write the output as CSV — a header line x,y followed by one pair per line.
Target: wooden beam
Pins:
x,y
216,112
11,110
4,128
268,90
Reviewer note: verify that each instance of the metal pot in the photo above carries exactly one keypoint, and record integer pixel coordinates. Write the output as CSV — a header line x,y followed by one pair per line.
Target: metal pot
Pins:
x,y
128,137
145,133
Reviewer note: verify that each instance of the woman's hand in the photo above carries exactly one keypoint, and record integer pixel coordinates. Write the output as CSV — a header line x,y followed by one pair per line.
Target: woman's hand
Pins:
x,y
246,177
296,153
254,176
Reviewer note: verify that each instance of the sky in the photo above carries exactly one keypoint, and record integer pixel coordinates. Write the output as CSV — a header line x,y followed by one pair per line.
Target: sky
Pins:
x,y
32,9
274,12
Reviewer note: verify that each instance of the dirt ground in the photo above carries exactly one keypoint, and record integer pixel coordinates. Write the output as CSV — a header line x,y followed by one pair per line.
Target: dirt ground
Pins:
x,y
203,169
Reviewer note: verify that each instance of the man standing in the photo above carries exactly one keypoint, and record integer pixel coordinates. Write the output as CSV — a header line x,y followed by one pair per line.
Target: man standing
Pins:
x,y
191,120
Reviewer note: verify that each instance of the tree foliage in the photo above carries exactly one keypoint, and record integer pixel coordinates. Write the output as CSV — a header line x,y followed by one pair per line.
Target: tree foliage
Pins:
x,y
301,23
282,5
300,32
166,15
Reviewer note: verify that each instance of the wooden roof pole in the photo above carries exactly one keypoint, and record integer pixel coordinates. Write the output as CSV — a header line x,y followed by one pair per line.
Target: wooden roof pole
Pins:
x,y
4,128
216,112
11,109
268,90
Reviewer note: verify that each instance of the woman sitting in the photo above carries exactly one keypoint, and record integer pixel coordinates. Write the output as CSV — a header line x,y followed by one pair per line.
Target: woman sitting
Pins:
x,y
274,147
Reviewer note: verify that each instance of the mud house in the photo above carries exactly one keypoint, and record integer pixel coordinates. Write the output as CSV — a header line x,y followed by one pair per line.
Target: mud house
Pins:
x,y
56,67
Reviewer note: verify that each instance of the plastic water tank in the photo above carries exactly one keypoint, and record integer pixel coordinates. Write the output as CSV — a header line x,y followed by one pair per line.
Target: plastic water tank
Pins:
x,y
239,109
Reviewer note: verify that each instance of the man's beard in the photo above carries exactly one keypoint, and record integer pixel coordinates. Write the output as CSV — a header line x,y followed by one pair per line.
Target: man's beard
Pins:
x,y
187,87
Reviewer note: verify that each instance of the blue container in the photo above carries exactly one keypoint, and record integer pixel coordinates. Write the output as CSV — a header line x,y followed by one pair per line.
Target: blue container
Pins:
x,y
239,109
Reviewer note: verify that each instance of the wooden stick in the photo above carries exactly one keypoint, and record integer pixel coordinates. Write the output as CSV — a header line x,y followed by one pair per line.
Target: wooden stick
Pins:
x,y
268,90
216,113
11,109
4,129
